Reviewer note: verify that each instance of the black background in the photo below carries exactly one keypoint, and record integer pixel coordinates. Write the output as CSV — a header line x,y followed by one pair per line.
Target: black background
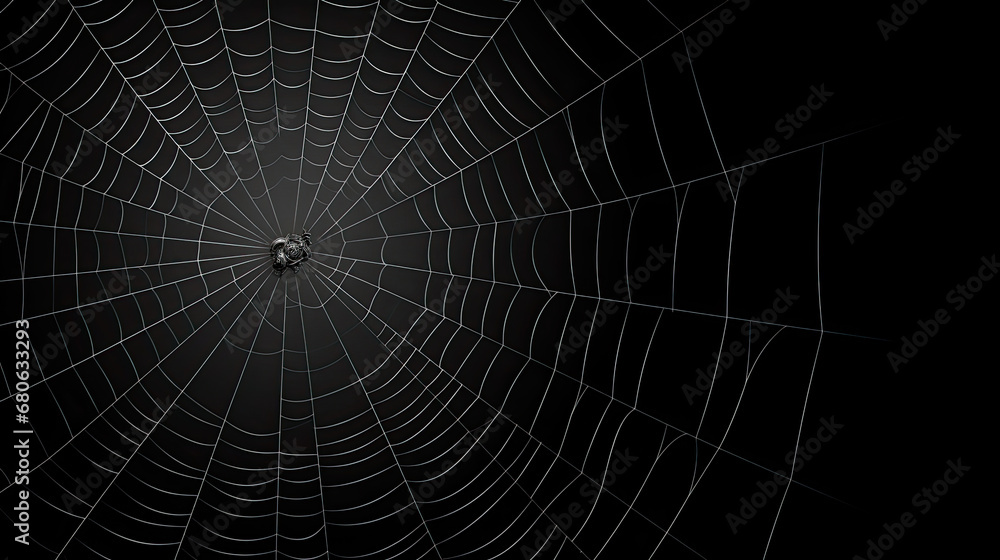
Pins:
x,y
900,428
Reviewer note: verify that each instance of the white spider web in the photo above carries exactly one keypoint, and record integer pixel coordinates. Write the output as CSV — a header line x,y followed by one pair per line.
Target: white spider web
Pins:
x,y
168,143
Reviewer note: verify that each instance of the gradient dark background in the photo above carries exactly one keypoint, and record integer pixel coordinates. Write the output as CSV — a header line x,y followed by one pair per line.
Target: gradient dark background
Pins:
x,y
258,112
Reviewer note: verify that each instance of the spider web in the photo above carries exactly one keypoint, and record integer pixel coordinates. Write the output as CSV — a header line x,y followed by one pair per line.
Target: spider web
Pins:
x,y
483,182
